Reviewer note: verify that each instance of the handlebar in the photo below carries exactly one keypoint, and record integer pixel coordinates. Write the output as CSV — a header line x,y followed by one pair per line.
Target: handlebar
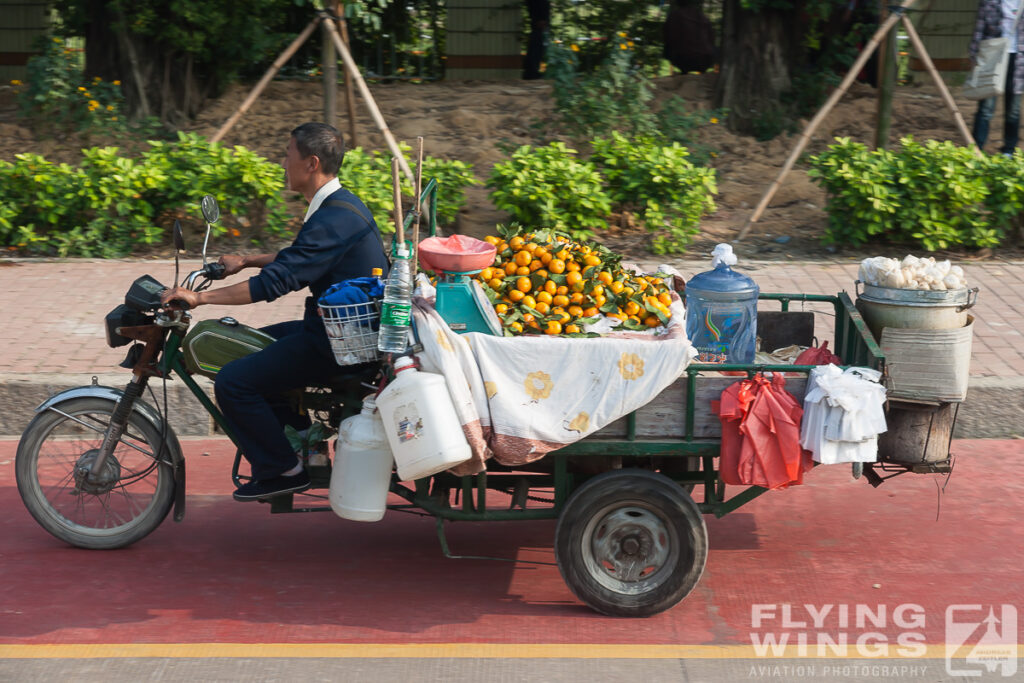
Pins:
x,y
211,271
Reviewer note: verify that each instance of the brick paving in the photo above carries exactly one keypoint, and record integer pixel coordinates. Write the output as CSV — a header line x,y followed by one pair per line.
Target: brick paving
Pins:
x,y
53,310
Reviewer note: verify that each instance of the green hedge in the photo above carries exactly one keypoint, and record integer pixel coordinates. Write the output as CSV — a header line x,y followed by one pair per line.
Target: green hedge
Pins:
x,y
551,187
936,194
109,205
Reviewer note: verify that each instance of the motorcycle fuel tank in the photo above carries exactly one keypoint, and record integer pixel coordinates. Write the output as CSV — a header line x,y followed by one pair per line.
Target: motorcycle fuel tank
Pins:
x,y
212,344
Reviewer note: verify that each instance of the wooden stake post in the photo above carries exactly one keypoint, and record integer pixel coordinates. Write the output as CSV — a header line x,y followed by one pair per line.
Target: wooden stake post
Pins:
x,y
353,73
274,68
805,136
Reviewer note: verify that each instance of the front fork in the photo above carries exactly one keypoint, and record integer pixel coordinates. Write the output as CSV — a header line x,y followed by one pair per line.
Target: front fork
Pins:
x,y
118,425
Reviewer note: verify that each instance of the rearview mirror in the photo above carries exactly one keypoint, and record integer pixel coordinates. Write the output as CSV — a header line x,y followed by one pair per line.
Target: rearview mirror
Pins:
x,y
179,239
211,212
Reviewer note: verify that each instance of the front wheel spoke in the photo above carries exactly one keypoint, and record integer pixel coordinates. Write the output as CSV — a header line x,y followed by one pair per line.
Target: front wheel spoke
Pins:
x,y
133,506
104,501
60,487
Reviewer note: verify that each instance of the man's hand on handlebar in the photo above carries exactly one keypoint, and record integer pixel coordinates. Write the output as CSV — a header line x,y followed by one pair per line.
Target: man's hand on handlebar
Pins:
x,y
179,298
232,263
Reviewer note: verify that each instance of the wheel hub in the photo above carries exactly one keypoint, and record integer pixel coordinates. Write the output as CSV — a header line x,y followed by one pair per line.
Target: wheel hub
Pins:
x,y
630,544
102,481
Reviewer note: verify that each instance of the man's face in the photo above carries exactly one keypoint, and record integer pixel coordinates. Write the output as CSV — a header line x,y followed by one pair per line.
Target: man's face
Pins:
x,y
297,170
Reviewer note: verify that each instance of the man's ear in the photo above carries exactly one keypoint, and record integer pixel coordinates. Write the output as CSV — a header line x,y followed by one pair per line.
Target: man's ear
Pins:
x,y
313,163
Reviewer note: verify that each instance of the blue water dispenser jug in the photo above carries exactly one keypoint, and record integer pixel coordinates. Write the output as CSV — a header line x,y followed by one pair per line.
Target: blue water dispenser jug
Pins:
x,y
721,311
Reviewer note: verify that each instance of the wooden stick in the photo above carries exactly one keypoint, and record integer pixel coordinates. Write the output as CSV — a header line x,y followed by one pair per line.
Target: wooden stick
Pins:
x,y
397,185
922,53
350,95
820,116
329,60
371,104
274,68
418,205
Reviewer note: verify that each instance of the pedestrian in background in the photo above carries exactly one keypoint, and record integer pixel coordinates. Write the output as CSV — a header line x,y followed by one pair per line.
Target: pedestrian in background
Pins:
x,y
999,19
540,22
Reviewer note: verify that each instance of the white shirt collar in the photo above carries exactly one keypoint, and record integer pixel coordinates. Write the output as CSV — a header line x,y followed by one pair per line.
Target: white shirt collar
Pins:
x,y
329,188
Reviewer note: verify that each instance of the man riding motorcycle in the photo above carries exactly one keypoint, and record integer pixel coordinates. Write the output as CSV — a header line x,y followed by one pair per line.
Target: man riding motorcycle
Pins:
x,y
338,240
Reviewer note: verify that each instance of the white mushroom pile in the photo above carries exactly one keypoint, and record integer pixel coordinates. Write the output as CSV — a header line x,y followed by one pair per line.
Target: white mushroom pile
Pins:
x,y
911,273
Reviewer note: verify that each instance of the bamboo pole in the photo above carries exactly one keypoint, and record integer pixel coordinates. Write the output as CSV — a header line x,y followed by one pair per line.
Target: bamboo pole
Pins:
x,y
886,86
329,59
397,186
418,204
371,104
274,68
922,53
805,136
350,95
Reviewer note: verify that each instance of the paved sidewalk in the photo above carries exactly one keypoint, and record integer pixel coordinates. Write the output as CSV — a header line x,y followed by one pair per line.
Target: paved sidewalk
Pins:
x,y
53,319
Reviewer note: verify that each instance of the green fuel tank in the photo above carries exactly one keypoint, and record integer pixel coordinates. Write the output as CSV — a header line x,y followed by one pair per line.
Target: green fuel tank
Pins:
x,y
212,344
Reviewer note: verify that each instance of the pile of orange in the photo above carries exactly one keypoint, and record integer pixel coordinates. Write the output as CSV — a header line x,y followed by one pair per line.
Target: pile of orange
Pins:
x,y
546,282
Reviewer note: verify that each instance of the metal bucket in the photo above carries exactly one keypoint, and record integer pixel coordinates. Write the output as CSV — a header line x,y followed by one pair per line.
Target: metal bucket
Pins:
x,y
914,308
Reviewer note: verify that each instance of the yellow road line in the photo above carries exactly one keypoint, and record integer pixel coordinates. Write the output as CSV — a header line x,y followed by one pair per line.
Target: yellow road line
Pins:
x,y
448,650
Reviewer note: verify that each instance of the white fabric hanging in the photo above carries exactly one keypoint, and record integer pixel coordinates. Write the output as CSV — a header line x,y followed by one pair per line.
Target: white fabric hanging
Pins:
x,y
843,415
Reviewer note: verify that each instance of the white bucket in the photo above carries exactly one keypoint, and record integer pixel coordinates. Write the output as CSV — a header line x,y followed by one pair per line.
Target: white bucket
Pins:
x,y
420,423
362,467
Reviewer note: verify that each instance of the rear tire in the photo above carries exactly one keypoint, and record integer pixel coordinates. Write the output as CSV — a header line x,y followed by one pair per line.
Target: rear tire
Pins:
x,y
54,453
631,543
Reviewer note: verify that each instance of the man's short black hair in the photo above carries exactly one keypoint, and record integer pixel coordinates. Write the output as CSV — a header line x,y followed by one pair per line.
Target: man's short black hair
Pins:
x,y
323,141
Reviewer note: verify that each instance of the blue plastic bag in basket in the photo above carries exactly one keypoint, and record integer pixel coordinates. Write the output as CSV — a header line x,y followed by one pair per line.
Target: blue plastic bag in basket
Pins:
x,y
358,290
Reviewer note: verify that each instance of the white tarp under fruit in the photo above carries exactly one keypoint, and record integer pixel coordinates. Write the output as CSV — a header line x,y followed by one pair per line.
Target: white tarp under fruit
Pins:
x,y
519,398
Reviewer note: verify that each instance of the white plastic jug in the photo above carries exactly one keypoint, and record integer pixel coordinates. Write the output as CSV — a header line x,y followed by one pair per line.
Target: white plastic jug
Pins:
x,y
420,423
362,467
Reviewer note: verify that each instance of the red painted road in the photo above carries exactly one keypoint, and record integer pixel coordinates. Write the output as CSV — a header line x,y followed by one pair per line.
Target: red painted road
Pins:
x,y
233,573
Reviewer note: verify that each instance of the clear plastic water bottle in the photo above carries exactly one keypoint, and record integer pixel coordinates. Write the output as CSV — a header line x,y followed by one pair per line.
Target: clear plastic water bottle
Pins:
x,y
396,309
721,311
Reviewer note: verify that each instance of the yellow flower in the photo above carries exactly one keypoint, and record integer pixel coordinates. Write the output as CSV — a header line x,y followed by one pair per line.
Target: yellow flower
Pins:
x,y
622,34
574,47
110,107
113,118
81,88
622,46
117,82
580,423
714,120
96,79
631,366
630,43
15,82
443,342
538,385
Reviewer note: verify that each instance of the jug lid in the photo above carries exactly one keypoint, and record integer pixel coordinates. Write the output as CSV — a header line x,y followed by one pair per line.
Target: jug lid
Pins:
x,y
369,403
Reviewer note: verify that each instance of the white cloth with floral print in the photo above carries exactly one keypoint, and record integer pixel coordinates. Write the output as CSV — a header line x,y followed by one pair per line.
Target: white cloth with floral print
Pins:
x,y
519,398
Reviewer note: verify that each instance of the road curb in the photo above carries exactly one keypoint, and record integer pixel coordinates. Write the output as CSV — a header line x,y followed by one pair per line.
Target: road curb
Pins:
x,y
994,407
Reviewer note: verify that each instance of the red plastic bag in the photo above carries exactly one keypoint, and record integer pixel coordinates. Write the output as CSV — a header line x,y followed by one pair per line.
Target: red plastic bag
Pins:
x,y
761,434
818,356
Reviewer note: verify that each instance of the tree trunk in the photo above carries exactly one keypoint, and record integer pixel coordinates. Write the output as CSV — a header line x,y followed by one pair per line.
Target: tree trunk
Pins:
x,y
154,79
759,52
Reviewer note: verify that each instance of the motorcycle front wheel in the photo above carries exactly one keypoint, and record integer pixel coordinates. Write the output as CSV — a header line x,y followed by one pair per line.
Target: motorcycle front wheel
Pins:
x,y
116,506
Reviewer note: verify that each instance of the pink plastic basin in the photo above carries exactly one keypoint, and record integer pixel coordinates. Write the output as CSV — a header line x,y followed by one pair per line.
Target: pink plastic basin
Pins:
x,y
455,254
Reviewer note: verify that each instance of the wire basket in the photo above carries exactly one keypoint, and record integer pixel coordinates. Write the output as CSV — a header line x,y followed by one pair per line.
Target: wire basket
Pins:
x,y
352,330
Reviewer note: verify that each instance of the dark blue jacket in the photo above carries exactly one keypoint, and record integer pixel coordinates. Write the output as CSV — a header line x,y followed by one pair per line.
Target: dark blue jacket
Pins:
x,y
335,244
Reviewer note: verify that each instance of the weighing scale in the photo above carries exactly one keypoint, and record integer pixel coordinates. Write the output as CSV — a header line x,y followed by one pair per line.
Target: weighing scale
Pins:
x,y
460,300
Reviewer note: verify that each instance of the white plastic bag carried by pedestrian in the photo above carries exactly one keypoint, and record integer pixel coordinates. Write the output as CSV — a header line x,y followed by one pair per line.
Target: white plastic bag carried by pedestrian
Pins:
x,y
988,77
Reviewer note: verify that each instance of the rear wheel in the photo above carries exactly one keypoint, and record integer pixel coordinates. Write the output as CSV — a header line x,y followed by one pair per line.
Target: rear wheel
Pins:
x,y
631,543
128,499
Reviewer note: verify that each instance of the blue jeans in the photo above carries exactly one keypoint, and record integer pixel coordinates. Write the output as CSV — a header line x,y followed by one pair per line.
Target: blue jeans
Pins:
x,y
1011,123
249,392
